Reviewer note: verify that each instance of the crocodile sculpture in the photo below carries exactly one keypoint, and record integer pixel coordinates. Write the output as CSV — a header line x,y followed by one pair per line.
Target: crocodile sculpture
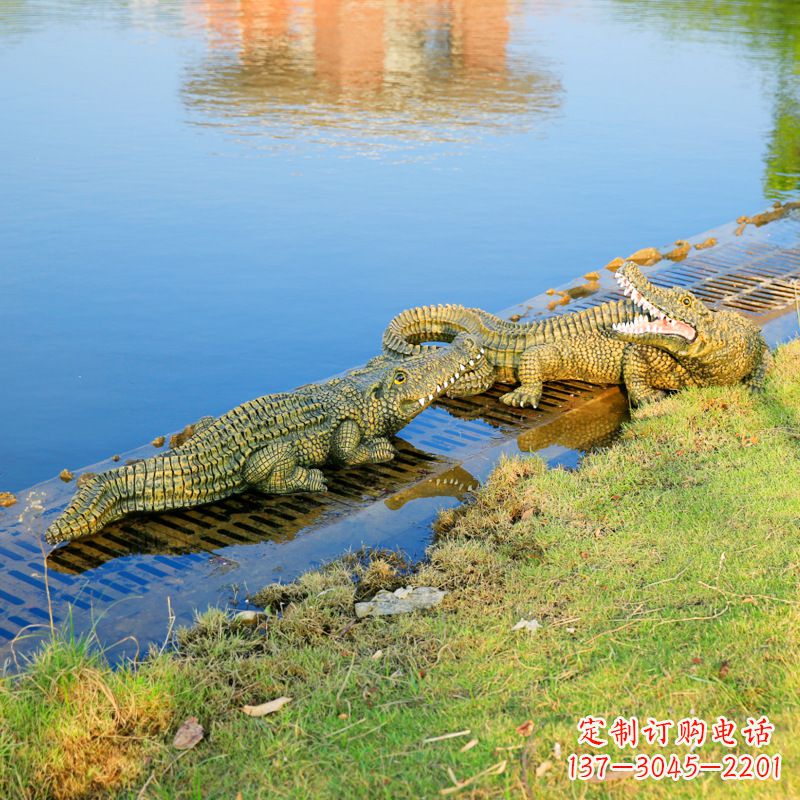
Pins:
x,y
274,443
657,340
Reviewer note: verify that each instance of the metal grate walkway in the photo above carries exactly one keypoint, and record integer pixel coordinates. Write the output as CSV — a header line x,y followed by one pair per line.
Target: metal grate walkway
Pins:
x,y
119,581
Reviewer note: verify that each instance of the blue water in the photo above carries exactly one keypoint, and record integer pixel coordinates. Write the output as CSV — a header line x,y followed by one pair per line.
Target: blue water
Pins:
x,y
205,201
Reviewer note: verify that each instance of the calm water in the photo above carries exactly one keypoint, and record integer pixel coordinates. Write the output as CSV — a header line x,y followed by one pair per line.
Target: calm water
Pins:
x,y
204,201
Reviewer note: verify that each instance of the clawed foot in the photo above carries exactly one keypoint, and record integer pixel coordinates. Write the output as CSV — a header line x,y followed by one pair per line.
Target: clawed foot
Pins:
x,y
523,396
316,481
381,451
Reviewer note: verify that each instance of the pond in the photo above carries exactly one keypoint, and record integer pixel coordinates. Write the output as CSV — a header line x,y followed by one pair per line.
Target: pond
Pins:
x,y
208,200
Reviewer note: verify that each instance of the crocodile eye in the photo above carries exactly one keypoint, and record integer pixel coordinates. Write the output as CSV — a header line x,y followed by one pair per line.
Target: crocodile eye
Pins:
x,y
400,377
687,301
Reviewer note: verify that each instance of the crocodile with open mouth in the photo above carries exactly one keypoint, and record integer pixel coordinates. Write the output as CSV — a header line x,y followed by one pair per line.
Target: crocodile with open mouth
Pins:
x,y
657,340
274,443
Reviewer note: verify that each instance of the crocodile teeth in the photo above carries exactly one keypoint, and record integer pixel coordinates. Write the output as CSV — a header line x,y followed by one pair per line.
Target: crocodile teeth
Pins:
x,y
482,351
472,362
430,398
438,389
461,367
421,401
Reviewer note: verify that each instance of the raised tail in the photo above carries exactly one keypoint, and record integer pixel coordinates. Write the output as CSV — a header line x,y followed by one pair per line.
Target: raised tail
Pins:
x,y
406,334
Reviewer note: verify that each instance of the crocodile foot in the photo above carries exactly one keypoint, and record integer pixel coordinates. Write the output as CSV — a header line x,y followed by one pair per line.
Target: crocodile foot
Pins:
x,y
316,481
522,396
381,450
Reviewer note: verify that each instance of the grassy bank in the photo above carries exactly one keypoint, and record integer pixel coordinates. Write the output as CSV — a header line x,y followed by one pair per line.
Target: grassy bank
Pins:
x,y
663,575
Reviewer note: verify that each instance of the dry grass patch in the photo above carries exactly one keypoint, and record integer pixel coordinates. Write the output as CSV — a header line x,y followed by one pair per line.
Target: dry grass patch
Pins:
x,y
80,730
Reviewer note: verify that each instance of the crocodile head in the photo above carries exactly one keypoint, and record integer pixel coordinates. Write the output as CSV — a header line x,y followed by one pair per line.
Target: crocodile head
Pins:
x,y
716,346
671,319
397,389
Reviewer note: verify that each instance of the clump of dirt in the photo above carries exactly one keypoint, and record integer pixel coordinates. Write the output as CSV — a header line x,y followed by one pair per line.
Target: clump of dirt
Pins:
x,y
85,478
159,441
378,569
7,499
614,264
682,249
710,242
561,298
177,439
65,475
646,257
115,458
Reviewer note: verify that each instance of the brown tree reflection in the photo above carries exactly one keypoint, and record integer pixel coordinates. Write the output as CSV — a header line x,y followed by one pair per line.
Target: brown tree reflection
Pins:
x,y
416,68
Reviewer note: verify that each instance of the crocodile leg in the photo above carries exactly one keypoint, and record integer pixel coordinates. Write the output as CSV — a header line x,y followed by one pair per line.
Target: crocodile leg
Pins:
x,y
536,365
274,469
755,381
594,358
349,446
641,364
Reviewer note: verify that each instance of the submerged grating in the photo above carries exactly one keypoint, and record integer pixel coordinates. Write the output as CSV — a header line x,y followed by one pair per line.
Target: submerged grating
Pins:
x,y
195,555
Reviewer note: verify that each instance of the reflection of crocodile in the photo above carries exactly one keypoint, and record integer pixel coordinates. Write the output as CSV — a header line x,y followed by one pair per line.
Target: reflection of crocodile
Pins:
x,y
585,427
272,443
455,482
660,339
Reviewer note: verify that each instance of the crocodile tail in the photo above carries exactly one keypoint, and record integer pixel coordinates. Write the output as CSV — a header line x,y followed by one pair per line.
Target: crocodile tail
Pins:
x,y
149,485
90,508
406,333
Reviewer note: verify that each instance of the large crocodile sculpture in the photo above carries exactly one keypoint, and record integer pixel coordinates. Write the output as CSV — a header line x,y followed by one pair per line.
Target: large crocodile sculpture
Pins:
x,y
659,339
274,443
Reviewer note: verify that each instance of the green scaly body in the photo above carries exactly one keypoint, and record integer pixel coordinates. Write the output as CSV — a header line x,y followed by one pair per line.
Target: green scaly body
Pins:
x,y
619,342
273,443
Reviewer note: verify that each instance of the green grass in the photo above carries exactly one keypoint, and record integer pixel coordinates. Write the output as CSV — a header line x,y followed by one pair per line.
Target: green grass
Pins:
x,y
663,574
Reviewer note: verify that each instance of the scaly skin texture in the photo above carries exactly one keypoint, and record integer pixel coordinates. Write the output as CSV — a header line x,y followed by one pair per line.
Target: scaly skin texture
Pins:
x,y
659,340
274,443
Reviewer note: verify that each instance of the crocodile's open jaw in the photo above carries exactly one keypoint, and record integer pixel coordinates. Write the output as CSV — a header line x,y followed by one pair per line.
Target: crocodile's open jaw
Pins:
x,y
654,320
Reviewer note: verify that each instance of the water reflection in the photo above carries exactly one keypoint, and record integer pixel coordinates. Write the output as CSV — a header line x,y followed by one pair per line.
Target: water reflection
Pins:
x,y
455,482
432,69
585,428
769,30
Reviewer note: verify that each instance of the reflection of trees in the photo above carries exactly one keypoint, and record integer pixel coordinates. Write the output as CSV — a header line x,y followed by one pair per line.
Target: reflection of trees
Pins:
x,y
15,17
783,154
380,67
768,28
